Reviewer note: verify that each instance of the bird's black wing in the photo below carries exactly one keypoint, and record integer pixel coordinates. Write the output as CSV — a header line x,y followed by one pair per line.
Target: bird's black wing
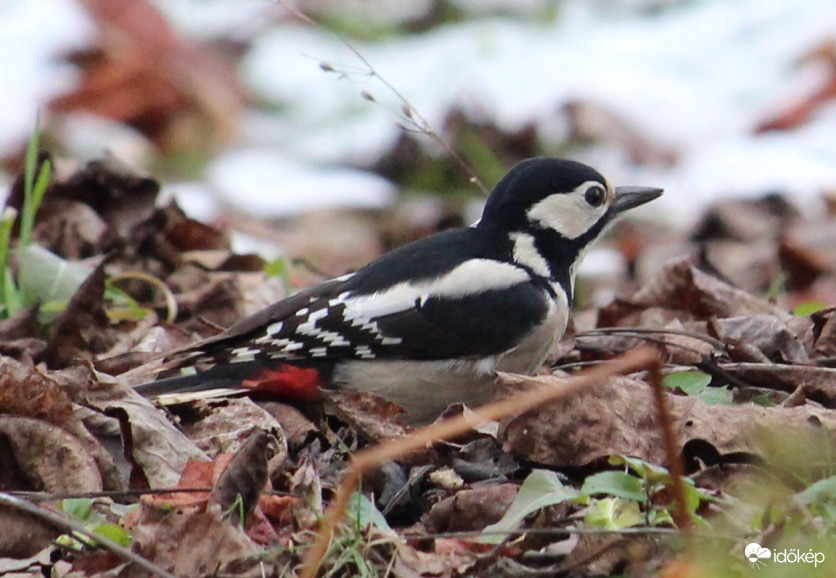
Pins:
x,y
462,304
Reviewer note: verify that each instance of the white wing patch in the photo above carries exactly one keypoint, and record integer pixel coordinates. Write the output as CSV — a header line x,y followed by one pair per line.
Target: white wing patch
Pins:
x,y
471,277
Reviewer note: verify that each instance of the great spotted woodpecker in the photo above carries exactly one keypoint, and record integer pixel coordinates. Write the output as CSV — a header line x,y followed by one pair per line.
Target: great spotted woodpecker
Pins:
x,y
428,324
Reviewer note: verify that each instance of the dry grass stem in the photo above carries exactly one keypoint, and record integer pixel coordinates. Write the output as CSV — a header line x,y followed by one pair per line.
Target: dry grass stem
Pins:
x,y
672,452
410,115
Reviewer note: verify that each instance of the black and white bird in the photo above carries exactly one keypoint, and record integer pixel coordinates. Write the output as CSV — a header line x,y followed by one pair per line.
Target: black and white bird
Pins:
x,y
430,323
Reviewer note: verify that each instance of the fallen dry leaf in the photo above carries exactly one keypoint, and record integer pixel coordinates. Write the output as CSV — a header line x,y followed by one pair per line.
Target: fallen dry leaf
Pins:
x,y
193,542
27,391
196,474
807,249
470,509
23,535
412,562
825,332
45,457
375,417
277,508
306,487
680,286
71,229
82,329
156,448
764,337
619,417
750,265
19,326
245,476
606,554
296,426
746,219
818,383
226,425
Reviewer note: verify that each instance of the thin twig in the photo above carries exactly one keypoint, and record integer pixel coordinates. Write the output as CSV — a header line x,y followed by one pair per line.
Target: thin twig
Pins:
x,y
72,526
706,363
647,339
409,114
570,530
715,343
548,390
715,370
569,365
114,495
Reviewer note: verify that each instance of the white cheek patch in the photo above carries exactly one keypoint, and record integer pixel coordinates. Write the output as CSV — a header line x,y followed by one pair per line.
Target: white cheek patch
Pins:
x,y
567,213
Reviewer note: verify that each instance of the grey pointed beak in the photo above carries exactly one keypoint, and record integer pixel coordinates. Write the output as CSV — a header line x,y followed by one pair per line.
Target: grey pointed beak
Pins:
x,y
627,198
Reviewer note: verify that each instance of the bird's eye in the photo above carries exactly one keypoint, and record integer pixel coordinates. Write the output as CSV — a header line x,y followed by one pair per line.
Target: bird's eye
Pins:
x,y
595,196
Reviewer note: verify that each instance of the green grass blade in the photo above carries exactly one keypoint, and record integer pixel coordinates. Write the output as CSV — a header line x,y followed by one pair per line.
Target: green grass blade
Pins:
x,y
7,220
33,196
31,160
29,167
41,184
13,298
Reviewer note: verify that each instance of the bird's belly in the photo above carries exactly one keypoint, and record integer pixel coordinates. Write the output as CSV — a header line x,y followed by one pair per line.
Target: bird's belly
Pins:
x,y
423,388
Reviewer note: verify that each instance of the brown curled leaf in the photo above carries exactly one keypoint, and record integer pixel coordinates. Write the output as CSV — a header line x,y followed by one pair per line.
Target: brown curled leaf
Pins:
x,y
245,477
83,328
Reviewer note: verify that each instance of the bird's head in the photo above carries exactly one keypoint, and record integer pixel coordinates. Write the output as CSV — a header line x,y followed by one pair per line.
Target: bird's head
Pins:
x,y
550,210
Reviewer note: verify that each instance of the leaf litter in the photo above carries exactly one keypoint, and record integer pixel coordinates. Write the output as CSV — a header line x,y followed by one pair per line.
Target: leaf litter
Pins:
x,y
579,486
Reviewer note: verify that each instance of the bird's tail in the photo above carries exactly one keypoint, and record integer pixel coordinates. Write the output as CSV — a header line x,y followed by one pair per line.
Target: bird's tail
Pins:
x,y
283,379
185,384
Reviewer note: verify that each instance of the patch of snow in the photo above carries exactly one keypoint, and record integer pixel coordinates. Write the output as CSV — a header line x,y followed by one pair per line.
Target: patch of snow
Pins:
x,y
88,137
264,182
243,243
601,262
196,199
696,76
33,35
211,19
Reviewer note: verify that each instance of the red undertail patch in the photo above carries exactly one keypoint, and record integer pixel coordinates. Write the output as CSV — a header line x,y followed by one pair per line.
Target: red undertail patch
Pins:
x,y
288,381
